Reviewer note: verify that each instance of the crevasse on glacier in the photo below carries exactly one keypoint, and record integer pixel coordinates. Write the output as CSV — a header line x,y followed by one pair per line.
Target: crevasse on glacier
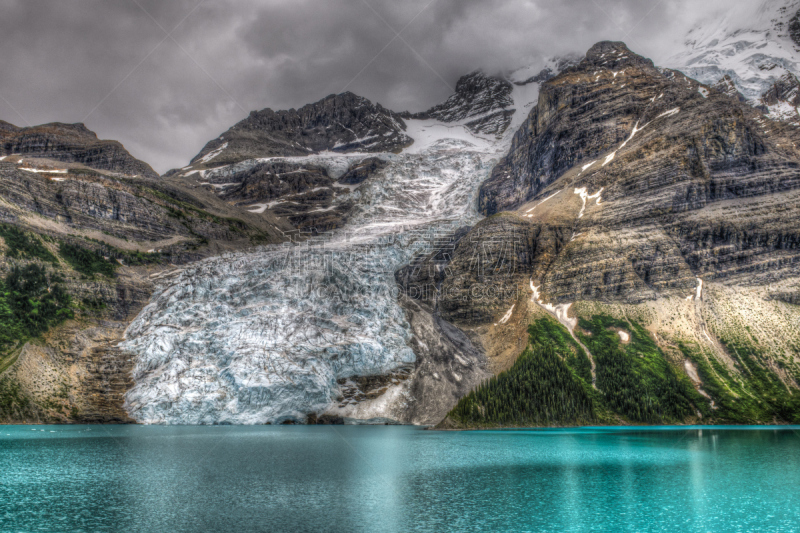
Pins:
x,y
251,338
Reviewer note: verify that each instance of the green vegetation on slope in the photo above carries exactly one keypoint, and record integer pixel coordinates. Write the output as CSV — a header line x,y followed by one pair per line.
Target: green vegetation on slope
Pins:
x,y
541,388
551,382
138,258
635,379
34,299
548,332
23,245
755,395
774,398
31,301
87,262
14,405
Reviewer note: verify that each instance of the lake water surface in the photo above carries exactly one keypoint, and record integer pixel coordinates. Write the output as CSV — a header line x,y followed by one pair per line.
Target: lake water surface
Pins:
x,y
389,478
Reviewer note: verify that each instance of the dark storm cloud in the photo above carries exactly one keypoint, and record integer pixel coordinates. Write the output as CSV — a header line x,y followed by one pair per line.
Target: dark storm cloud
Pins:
x,y
164,77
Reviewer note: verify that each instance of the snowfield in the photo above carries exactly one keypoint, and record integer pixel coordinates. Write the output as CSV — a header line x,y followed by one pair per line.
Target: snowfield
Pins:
x,y
747,41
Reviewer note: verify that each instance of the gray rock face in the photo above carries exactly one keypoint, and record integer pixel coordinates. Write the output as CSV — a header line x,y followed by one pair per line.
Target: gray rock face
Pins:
x,y
550,141
584,113
71,143
339,123
677,182
784,90
83,200
782,99
794,28
88,202
449,365
362,170
303,193
270,181
422,278
726,86
483,103
488,269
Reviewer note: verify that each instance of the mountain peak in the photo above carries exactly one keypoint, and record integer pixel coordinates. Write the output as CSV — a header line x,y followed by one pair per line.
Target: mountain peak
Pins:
x,y
466,82
71,143
613,55
80,127
344,122
483,101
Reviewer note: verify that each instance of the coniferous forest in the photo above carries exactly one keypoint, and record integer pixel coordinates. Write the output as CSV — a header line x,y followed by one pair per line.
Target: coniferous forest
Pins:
x,y
551,381
549,384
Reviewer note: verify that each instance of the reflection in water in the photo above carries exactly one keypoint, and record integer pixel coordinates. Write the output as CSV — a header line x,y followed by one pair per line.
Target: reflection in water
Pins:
x,y
325,478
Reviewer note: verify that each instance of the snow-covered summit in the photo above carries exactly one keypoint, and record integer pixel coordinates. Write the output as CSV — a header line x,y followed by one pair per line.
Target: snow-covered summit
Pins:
x,y
755,44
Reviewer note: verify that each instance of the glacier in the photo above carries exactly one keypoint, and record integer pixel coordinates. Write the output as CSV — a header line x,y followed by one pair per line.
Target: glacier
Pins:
x,y
270,335
263,336
749,42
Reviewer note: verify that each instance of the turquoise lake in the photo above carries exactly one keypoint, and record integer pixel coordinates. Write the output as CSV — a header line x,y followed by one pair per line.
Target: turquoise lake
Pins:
x,y
394,478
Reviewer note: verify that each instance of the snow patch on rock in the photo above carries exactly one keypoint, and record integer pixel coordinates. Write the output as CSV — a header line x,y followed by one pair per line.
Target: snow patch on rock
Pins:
x,y
561,311
586,196
543,201
507,316
213,153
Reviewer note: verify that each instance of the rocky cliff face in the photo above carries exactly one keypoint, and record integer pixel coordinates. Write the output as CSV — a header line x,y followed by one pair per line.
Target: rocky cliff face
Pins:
x,y
783,90
550,142
488,269
133,215
338,123
781,101
360,171
484,104
727,86
654,160
302,193
88,201
71,143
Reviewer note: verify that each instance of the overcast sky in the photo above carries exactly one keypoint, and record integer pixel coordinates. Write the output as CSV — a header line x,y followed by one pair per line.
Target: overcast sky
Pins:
x,y
165,76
